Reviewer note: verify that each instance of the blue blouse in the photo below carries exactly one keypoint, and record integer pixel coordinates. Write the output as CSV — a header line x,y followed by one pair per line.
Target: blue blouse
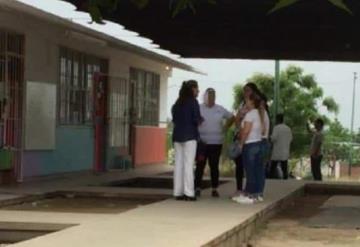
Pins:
x,y
186,119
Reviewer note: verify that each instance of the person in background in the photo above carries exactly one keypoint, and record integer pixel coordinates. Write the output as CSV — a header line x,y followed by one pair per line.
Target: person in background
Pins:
x,y
316,148
212,135
251,133
186,118
249,89
281,139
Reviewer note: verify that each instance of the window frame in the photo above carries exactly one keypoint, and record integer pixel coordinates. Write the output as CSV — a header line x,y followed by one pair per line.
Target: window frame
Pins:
x,y
75,86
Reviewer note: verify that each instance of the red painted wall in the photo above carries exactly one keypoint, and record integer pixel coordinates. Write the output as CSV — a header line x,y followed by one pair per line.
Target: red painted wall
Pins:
x,y
149,145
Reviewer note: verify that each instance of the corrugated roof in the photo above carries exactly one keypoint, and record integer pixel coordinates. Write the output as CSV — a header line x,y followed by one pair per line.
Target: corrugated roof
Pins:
x,y
62,13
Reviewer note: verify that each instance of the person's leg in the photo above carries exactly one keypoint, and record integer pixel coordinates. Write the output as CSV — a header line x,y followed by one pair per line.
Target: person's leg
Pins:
x,y
273,169
239,173
189,157
259,169
315,168
199,172
179,169
214,158
249,165
284,168
264,160
318,175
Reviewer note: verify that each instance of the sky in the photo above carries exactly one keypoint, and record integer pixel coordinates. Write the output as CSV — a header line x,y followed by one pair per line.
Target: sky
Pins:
x,y
335,78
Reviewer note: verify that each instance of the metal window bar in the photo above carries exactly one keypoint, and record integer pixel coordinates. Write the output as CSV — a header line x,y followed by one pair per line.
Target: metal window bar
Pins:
x,y
75,107
12,80
147,95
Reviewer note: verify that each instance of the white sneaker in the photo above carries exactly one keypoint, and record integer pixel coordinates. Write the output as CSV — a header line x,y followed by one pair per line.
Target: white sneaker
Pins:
x,y
236,198
244,200
260,199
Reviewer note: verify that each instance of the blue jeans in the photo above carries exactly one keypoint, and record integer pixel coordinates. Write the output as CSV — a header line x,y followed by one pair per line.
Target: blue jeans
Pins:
x,y
265,150
254,168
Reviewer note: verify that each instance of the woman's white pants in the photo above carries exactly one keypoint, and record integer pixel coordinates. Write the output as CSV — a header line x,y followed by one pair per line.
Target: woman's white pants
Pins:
x,y
184,168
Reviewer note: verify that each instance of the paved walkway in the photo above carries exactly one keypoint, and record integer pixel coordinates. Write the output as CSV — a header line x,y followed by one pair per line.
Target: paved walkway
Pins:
x,y
167,223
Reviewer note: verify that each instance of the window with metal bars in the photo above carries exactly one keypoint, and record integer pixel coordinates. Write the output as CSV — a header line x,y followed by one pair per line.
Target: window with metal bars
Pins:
x,y
76,86
11,86
146,97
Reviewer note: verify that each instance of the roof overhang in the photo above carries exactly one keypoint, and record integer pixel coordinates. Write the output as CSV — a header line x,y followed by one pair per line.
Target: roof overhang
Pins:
x,y
116,43
308,30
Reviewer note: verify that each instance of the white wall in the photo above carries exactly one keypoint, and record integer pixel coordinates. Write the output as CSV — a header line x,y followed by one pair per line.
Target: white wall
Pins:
x,y
42,52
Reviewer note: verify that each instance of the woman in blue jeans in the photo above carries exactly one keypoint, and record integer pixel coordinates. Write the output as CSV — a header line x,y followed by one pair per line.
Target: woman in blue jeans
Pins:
x,y
252,131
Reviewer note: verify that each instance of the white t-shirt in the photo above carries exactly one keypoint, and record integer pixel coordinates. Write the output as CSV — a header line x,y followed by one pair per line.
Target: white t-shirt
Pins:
x,y
211,130
281,139
255,134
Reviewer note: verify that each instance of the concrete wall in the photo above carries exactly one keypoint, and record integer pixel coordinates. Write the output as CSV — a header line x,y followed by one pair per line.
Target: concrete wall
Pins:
x,y
74,144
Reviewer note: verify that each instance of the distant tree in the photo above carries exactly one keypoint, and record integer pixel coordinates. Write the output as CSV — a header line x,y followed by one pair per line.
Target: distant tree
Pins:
x,y
337,141
300,100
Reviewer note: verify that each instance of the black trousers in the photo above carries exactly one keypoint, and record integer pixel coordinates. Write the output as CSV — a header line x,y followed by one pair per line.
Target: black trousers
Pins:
x,y
274,167
316,167
239,169
212,155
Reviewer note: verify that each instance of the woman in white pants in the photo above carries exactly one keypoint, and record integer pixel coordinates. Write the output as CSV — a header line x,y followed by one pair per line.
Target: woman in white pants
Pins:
x,y
186,119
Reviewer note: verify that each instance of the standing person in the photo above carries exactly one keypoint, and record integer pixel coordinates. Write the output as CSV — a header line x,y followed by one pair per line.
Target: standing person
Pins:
x,y
249,89
265,145
212,135
250,141
316,149
281,139
186,119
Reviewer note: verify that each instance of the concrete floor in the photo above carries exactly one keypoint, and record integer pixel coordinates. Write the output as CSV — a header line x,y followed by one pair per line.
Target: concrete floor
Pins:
x,y
166,223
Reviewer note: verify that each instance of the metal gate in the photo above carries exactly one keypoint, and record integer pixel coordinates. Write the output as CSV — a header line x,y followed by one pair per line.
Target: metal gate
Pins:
x,y
119,114
11,102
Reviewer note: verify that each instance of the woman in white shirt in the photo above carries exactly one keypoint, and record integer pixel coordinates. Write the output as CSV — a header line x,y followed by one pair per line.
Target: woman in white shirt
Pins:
x,y
252,131
212,136
249,89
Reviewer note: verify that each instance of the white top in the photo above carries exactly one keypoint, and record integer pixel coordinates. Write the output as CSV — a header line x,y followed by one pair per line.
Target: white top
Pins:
x,y
281,139
255,134
267,125
211,130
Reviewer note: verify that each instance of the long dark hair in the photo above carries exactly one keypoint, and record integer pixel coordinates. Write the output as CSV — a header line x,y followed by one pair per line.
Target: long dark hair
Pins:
x,y
253,87
185,93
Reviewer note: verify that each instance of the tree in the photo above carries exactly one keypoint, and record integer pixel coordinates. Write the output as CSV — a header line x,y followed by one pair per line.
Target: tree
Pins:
x,y
337,140
300,101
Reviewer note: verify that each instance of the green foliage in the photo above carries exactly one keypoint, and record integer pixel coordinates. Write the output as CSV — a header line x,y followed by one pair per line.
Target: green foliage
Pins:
x,y
95,7
337,141
286,3
300,100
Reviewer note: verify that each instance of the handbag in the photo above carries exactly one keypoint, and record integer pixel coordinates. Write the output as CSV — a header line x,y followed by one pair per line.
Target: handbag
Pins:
x,y
234,150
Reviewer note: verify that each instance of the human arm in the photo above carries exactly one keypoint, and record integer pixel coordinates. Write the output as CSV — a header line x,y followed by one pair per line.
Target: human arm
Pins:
x,y
274,135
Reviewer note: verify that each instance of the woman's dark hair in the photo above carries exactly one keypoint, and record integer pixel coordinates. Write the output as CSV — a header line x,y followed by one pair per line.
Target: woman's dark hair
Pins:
x,y
185,93
253,87
256,99
192,84
265,100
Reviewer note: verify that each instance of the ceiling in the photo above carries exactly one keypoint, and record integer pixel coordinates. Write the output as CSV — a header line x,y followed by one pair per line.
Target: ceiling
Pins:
x,y
308,30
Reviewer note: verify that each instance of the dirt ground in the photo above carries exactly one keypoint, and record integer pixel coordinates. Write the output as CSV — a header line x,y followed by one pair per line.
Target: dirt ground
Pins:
x,y
83,205
288,228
